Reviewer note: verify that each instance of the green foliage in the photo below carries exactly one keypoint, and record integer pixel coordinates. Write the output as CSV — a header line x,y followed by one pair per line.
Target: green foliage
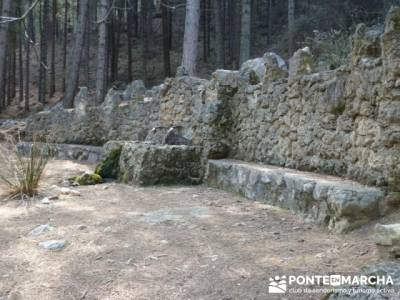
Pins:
x,y
331,48
109,167
338,109
22,171
86,179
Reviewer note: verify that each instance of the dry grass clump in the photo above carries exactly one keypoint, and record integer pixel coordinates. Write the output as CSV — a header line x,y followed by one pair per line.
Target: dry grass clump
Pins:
x,y
21,169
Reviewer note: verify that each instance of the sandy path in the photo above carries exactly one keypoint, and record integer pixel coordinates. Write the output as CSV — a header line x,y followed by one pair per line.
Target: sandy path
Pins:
x,y
127,242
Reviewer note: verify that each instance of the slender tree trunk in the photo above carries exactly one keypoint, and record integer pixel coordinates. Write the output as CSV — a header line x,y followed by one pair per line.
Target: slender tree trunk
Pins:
x,y
166,39
245,34
28,59
129,22
43,52
134,4
53,50
270,7
219,32
101,75
87,48
145,9
291,8
3,47
205,30
21,62
79,41
65,45
191,36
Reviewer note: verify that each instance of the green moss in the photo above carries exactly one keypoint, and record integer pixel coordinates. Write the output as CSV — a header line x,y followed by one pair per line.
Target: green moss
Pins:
x,y
87,179
338,109
109,167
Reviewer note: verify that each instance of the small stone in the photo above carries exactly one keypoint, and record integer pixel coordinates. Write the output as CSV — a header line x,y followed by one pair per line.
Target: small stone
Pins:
x,y
67,191
82,227
107,229
45,201
40,229
53,244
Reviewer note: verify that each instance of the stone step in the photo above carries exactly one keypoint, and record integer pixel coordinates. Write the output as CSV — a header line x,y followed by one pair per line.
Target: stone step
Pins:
x,y
341,205
87,153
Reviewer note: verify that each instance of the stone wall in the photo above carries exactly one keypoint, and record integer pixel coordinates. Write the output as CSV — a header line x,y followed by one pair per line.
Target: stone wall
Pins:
x,y
342,122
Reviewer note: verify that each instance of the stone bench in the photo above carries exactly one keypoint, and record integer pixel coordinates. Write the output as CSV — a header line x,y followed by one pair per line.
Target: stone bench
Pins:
x,y
339,204
148,164
90,154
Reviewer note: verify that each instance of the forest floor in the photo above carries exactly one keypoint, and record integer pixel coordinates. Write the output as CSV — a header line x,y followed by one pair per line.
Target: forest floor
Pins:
x,y
173,242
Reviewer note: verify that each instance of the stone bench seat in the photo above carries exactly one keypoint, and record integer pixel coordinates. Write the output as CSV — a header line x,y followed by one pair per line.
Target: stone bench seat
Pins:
x,y
87,153
339,204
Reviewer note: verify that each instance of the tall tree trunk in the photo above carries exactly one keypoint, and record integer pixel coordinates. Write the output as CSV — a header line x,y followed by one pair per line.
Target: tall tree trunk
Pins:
x,y
219,32
79,41
270,7
129,22
135,14
291,8
101,75
29,40
3,48
53,49
43,52
21,61
245,33
166,39
87,48
205,30
65,45
191,37
145,9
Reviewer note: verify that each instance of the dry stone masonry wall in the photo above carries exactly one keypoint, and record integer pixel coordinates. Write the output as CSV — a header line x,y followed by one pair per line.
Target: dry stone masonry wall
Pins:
x,y
343,122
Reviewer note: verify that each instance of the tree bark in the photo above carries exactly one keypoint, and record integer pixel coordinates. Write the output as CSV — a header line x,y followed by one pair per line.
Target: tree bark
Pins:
x,y
166,40
191,36
270,7
21,62
245,34
79,41
101,76
53,49
65,45
291,8
3,48
43,52
129,22
219,32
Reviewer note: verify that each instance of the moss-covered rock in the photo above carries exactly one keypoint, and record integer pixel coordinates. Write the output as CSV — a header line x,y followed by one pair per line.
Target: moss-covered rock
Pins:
x,y
109,166
86,179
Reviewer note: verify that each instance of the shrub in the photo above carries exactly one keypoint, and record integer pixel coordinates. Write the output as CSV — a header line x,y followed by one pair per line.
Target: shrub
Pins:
x,y
22,171
86,179
331,48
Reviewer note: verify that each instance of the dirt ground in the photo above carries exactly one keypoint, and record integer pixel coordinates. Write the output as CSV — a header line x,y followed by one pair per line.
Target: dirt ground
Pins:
x,y
175,242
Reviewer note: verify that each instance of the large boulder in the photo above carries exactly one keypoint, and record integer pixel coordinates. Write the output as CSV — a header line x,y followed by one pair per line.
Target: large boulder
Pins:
x,y
173,137
156,135
134,91
275,67
387,239
300,64
146,164
253,70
